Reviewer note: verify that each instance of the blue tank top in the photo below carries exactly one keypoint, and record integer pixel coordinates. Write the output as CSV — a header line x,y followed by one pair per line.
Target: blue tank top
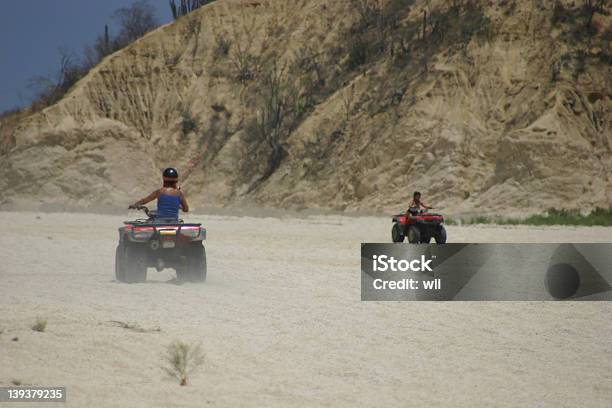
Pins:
x,y
168,206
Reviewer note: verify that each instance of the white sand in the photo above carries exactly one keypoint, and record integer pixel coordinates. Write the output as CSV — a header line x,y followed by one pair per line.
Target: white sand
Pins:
x,y
282,324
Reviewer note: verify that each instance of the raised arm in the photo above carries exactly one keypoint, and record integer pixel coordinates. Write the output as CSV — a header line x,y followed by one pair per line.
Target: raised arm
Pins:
x,y
422,204
147,199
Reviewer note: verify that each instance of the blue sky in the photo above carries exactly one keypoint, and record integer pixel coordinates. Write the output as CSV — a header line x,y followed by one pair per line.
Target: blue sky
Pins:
x,y
32,31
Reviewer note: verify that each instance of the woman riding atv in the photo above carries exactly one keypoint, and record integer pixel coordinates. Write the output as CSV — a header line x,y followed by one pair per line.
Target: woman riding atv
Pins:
x,y
169,198
416,204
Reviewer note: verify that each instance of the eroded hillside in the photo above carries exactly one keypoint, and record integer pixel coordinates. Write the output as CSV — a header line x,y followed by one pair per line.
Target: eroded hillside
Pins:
x,y
347,105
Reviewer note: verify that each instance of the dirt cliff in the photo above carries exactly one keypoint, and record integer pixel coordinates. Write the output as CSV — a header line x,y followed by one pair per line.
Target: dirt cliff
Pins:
x,y
347,105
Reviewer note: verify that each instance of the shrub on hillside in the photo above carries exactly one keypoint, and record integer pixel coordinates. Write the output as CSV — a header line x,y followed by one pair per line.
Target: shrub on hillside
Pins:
x,y
185,7
134,21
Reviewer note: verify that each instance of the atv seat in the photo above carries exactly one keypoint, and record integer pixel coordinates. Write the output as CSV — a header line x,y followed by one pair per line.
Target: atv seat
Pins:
x,y
413,211
163,220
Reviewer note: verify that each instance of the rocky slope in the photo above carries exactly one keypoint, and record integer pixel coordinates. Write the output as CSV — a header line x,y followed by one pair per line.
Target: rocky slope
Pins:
x,y
346,105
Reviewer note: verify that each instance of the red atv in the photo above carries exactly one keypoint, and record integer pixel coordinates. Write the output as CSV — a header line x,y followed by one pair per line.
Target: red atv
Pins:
x,y
419,226
160,243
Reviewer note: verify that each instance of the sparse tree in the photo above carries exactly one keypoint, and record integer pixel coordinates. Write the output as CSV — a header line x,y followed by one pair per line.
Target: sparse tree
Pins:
x,y
277,99
102,46
135,21
186,6
49,89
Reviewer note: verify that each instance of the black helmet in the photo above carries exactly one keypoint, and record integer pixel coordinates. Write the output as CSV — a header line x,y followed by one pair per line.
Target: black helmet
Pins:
x,y
416,193
170,174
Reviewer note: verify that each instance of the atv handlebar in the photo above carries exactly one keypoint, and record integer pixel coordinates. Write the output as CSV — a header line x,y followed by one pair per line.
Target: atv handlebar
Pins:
x,y
143,208
413,210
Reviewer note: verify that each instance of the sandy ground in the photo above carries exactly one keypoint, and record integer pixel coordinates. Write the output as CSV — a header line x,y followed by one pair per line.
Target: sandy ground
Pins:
x,y
281,322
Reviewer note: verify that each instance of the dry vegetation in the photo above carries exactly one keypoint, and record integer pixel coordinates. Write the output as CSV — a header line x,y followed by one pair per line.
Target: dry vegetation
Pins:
x,y
135,327
40,325
134,22
182,360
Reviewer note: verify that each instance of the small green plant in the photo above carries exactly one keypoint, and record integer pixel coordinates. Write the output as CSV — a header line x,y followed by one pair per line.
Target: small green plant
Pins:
x,y
474,23
348,99
40,325
580,67
188,121
182,360
245,64
357,53
223,46
193,27
576,21
555,71
560,14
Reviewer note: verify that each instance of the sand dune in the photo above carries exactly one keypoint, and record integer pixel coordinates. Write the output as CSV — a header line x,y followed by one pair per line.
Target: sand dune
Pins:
x,y
281,323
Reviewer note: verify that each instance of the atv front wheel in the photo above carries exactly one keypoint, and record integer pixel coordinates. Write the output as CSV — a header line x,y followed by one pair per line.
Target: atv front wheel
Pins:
x,y
440,236
194,269
135,262
414,235
396,234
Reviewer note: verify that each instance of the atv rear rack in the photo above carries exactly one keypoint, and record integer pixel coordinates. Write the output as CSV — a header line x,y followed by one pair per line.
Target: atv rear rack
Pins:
x,y
179,224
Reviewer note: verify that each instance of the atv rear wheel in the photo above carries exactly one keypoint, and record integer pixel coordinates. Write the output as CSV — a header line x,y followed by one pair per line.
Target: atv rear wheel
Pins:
x,y
396,233
440,235
135,262
194,269
120,263
414,235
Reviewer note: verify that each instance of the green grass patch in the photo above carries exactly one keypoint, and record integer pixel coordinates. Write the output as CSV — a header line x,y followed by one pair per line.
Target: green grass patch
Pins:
x,y
597,217
39,325
450,221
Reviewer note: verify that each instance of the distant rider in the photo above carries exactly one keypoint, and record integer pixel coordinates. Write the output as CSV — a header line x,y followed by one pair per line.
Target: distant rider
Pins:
x,y
416,204
169,198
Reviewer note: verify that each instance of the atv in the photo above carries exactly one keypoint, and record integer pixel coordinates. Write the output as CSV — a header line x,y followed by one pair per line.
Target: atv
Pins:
x,y
419,226
160,243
